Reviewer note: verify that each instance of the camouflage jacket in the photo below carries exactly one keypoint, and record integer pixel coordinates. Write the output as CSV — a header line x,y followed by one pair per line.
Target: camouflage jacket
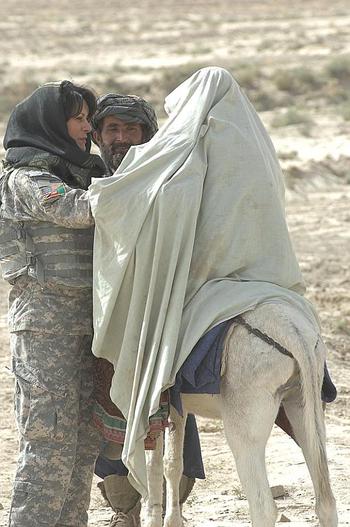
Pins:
x,y
32,198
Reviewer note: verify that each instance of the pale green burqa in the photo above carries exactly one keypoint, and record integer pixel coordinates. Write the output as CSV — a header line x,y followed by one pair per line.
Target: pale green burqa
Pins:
x,y
190,231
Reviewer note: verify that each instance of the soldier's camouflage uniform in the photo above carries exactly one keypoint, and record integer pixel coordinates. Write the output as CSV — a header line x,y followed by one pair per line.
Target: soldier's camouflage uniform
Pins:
x,y
51,332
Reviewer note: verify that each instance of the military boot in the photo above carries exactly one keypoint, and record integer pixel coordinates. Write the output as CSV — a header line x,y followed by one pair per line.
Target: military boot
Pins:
x,y
124,500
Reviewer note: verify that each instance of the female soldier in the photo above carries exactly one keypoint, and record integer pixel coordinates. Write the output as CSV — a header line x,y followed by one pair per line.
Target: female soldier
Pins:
x,y
46,240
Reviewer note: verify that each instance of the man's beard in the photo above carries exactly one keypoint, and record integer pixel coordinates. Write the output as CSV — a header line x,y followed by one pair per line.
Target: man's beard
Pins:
x,y
114,154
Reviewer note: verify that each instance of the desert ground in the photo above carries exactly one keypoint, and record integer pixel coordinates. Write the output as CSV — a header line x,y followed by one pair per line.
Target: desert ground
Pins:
x,y
293,61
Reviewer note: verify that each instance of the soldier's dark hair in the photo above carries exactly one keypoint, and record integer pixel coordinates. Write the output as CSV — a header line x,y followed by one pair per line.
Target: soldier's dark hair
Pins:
x,y
73,97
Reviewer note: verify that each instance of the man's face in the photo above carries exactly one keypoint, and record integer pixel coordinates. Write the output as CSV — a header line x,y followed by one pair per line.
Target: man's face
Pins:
x,y
115,137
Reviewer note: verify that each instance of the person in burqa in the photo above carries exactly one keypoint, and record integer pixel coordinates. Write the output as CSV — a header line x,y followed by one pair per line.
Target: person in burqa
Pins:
x,y
46,237
120,122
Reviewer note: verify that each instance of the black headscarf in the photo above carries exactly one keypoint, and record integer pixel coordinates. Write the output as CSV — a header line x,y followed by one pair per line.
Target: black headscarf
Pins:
x,y
37,135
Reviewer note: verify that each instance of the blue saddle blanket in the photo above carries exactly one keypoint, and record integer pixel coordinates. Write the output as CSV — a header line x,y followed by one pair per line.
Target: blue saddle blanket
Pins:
x,y
200,373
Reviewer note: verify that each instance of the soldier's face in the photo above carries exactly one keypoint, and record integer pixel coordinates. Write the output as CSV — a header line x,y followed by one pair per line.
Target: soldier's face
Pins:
x,y
115,138
79,127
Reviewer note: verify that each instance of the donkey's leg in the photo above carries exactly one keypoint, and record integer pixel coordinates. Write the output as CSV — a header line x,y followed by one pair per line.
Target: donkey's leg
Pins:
x,y
314,454
253,373
248,421
173,468
152,505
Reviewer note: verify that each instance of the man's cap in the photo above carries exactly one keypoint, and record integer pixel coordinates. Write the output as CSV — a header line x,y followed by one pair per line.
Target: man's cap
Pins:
x,y
127,107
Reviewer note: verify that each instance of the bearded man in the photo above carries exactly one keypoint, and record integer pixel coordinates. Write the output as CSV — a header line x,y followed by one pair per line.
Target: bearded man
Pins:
x,y
122,121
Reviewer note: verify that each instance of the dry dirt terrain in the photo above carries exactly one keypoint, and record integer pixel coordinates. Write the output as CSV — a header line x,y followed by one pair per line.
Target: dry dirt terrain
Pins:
x,y
293,60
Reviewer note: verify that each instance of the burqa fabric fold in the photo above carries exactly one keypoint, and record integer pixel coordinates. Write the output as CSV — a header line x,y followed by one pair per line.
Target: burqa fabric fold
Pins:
x,y
190,231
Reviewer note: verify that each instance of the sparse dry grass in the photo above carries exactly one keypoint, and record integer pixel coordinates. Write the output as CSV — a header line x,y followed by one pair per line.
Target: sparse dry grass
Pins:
x,y
345,110
289,61
11,95
297,81
98,43
339,68
292,116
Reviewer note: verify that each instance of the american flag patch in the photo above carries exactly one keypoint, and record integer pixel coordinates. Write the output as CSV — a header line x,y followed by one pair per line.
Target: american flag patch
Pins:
x,y
52,192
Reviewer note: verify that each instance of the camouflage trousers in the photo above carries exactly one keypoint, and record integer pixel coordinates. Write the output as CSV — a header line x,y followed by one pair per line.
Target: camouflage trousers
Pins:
x,y
58,442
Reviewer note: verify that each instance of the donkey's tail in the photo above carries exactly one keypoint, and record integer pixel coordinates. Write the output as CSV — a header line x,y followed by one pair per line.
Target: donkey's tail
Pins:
x,y
309,351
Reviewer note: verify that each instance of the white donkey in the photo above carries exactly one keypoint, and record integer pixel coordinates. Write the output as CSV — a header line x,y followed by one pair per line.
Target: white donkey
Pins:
x,y
258,374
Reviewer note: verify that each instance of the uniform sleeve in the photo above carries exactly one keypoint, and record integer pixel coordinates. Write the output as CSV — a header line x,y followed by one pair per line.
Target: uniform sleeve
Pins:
x,y
44,197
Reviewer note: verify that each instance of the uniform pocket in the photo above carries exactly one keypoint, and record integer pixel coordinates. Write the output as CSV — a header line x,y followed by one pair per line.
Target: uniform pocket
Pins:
x,y
48,360
35,411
